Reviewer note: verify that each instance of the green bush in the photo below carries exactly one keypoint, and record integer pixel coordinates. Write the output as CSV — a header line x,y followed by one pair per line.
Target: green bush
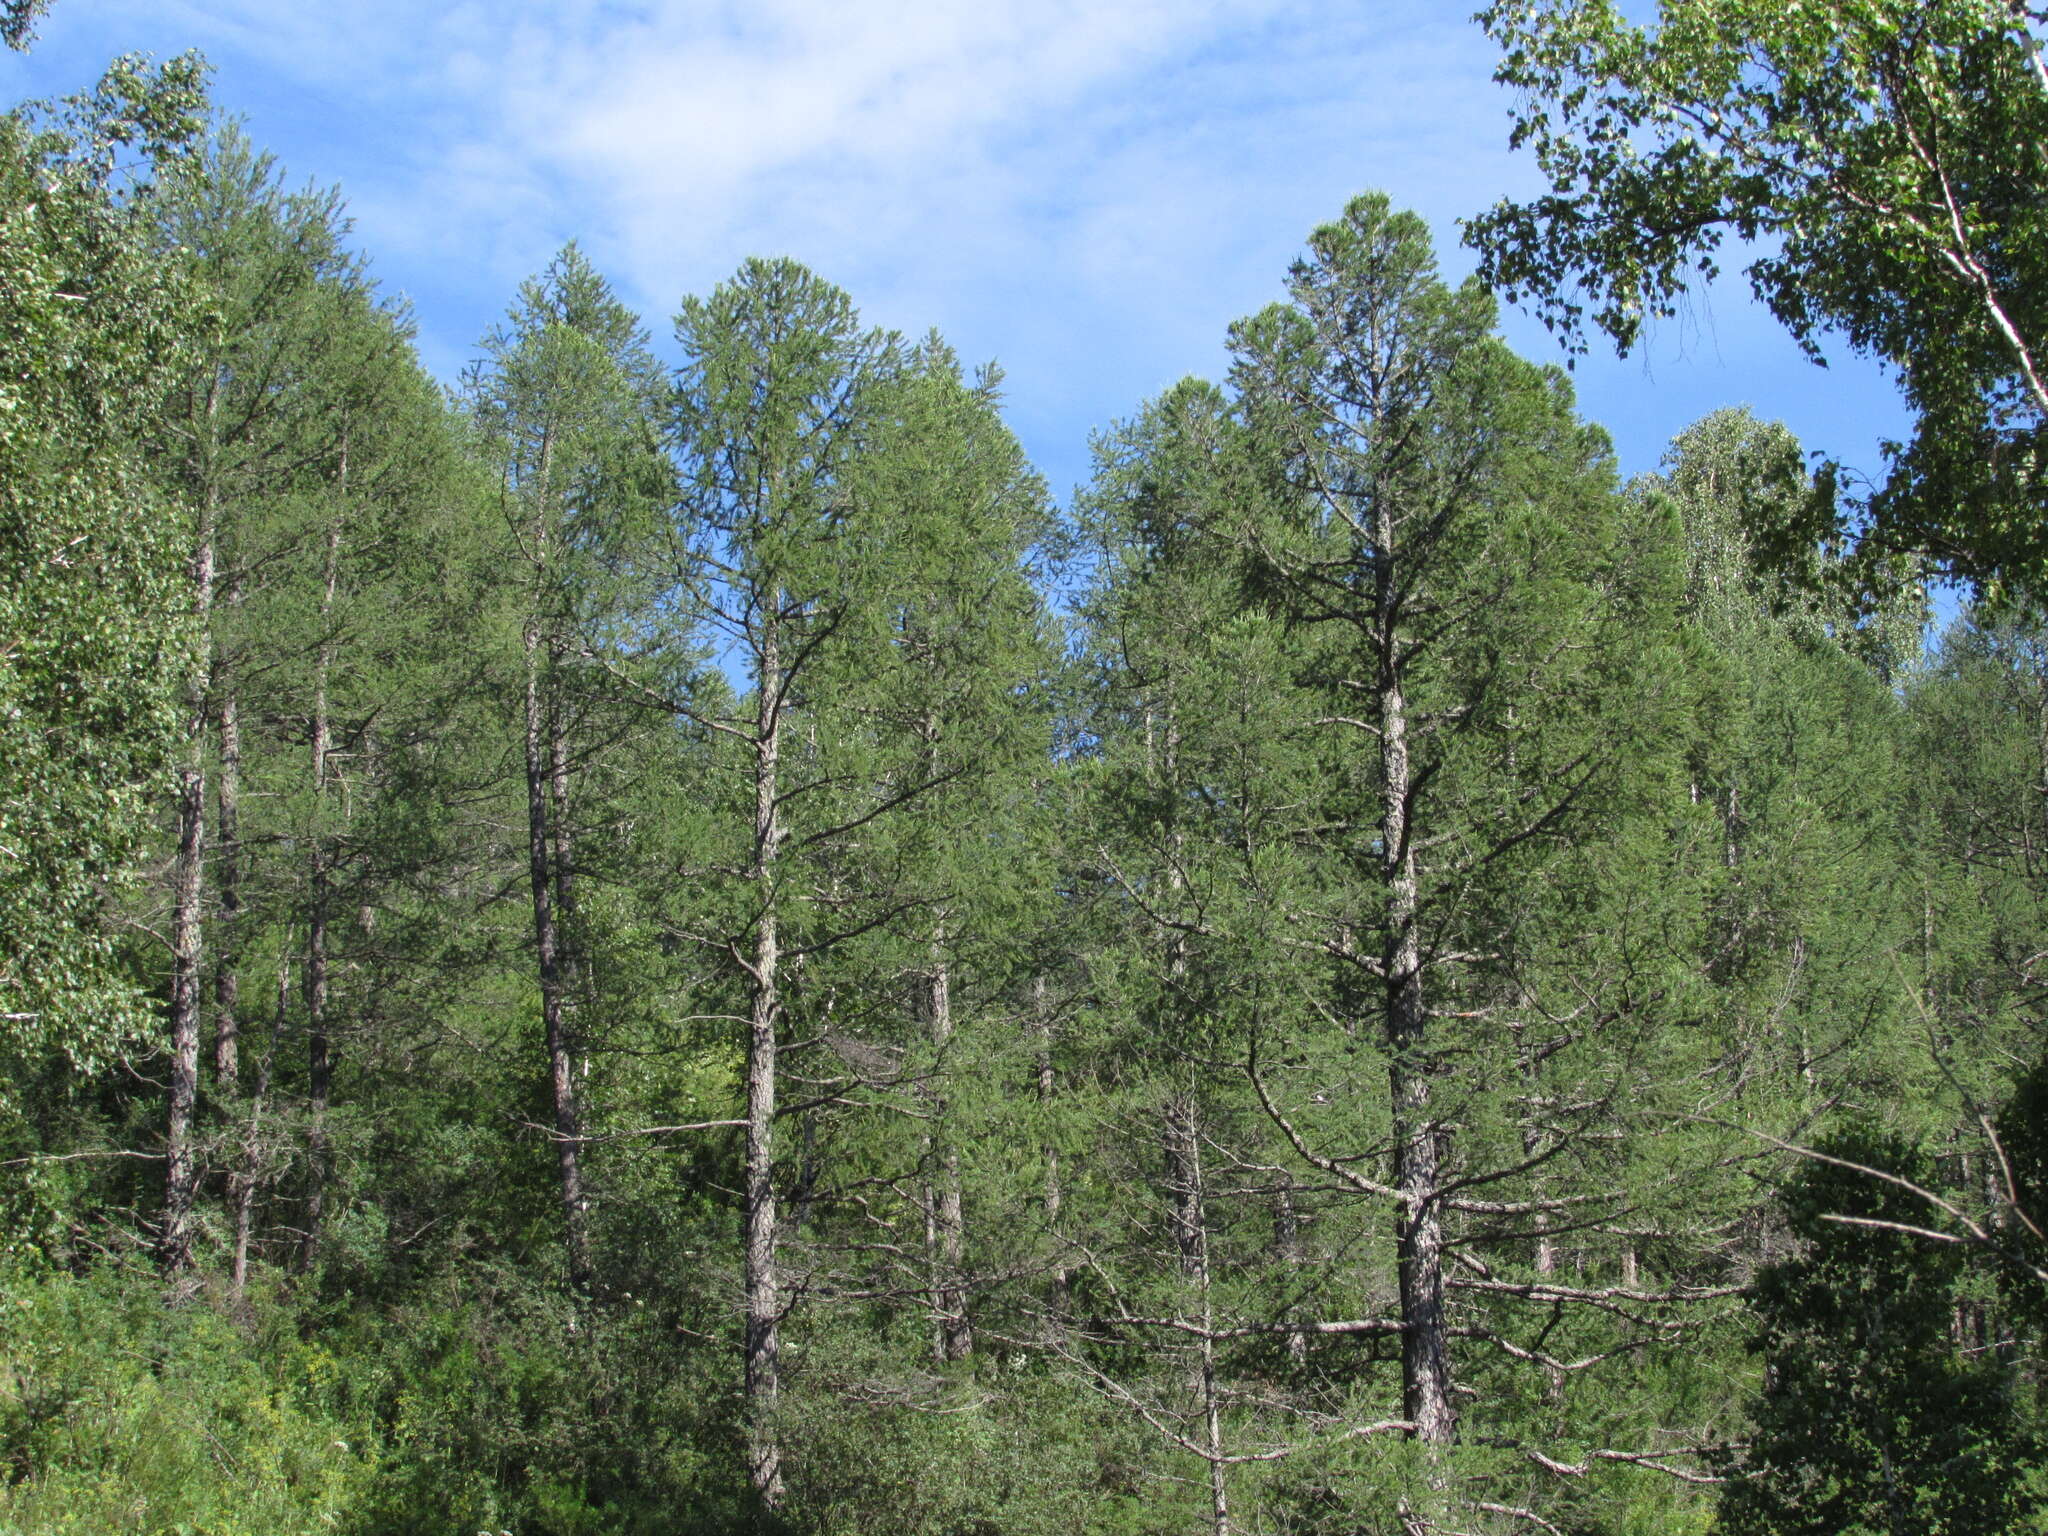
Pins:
x,y
119,1415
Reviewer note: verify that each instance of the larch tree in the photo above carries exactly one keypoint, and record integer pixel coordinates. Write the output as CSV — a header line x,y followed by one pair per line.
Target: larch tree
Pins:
x,y
354,612
1488,687
1191,1279
241,435
761,565
1182,760
567,399
949,688
849,542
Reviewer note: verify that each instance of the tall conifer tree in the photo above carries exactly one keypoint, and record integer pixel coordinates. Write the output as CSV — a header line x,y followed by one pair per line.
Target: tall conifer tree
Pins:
x,y
1486,675
567,399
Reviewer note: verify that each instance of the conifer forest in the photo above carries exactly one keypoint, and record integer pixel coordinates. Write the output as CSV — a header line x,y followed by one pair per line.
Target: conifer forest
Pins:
x,y
622,947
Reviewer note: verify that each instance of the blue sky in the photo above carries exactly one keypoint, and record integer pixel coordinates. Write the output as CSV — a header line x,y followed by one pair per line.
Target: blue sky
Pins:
x,y
1089,193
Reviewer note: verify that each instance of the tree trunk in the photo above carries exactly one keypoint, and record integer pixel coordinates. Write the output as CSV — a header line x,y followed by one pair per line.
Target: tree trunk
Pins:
x,y
561,842
1287,1248
955,1335
1183,1146
547,851
242,1186
546,943
762,1279
1532,1147
228,821
1425,1369
576,979
1054,1191
1183,1181
319,1057
181,1163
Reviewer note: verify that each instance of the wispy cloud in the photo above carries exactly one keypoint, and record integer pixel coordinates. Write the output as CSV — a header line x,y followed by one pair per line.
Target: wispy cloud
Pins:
x,y
1091,192
1069,183
903,142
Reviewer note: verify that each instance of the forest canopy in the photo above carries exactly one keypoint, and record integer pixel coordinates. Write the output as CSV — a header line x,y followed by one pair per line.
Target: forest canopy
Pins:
x,y
626,947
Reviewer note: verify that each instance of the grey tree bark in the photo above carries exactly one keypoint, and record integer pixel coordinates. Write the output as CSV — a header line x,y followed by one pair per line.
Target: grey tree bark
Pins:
x,y
1425,1366
546,844
568,1129
1183,1147
762,1277
953,1333
319,1056
243,1183
181,1162
228,825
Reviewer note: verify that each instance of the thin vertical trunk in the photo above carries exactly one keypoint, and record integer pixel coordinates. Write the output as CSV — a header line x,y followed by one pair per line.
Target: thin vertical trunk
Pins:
x,y
181,1160
547,951
1183,1180
561,843
547,794
1183,1143
1532,1145
1183,1147
1993,1332
1546,1267
576,979
228,821
1047,1086
955,1335
1425,1368
242,1187
762,1278
1219,1487
319,1069
1287,1248
181,1163
319,1057
934,1274
1966,1313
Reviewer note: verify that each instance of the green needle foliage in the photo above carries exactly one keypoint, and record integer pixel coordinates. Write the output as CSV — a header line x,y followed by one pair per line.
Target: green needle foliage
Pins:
x,y
1868,1420
635,949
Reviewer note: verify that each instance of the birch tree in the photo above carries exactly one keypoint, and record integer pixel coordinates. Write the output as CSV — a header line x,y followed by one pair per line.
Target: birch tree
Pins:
x,y
92,601
1879,162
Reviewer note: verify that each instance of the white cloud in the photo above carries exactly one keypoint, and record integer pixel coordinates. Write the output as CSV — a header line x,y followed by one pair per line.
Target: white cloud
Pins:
x,y
930,145
1090,191
697,117
937,142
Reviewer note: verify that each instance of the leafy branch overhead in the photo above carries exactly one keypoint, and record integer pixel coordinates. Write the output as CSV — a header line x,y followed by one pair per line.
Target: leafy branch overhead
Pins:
x,y
18,22
1872,168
